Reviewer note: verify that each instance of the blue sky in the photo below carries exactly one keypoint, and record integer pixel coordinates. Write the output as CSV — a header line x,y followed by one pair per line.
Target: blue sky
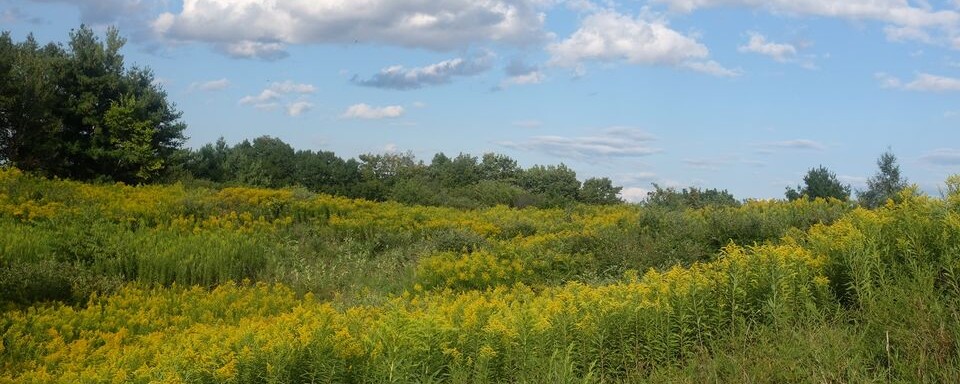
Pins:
x,y
744,95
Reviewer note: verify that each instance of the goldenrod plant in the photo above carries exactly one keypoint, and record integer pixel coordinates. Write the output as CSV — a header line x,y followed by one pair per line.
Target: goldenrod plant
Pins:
x,y
114,283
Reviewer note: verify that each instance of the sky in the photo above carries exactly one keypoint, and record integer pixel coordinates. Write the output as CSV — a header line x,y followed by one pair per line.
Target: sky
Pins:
x,y
742,95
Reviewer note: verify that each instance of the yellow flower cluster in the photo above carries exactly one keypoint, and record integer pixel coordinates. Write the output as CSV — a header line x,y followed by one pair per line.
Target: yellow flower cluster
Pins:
x,y
482,312
237,332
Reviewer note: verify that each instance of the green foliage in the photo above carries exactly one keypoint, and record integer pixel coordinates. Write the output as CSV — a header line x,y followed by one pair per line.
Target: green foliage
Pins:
x,y
692,197
821,183
599,191
556,184
78,112
885,184
461,182
25,283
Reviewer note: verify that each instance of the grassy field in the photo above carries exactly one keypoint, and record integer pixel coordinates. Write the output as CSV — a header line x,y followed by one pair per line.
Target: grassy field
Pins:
x,y
112,283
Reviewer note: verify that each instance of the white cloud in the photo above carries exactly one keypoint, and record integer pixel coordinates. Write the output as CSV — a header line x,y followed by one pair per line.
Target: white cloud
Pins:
x,y
611,142
712,68
608,36
161,82
210,86
923,82
298,108
519,73
778,51
365,111
904,20
265,96
270,97
401,78
933,83
634,194
254,50
897,12
291,87
904,34
247,27
535,77
943,156
887,81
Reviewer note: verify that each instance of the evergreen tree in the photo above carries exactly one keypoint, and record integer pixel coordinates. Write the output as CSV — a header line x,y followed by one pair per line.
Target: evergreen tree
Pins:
x,y
78,112
885,184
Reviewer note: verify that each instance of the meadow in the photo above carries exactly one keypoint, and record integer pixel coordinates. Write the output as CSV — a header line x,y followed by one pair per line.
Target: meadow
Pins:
x,y
115,283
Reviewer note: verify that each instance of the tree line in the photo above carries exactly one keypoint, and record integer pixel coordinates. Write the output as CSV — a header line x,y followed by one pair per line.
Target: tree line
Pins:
x,y
76,111
463,181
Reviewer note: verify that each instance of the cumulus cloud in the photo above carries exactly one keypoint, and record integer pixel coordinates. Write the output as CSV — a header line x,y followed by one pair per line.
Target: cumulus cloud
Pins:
x,y
401,78
291,87
923,82
254,50
906,20
611,142
209,86
270,98
519,73
435,25
608,36
712,68
277,90
634,194
943,156
265,96
366,111
904,34
298,108
897,12
777,51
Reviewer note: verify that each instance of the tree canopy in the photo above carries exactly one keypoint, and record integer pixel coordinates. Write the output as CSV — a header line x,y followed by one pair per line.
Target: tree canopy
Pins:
x,y
78,112
885,184
691,197
820,182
